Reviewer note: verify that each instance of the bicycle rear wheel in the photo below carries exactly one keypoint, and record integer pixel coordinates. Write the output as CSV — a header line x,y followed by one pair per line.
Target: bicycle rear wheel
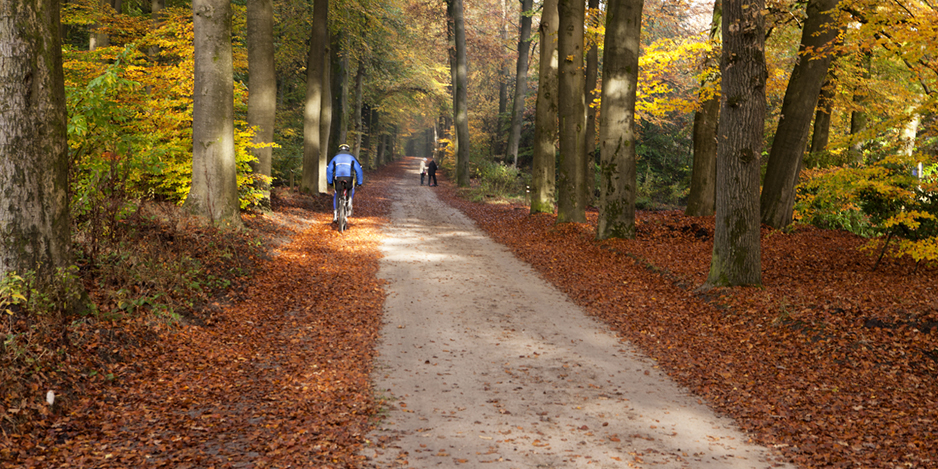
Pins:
x,y
342,208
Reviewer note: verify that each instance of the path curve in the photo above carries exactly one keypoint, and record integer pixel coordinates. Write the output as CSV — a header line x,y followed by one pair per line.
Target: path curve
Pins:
x,y
484,364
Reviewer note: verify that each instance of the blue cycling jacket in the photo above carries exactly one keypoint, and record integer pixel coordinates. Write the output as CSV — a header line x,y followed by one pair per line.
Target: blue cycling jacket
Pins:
x,y
341,166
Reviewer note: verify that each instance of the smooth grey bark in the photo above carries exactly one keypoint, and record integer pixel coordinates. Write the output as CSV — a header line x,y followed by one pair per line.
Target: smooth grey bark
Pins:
x,y
35,232
214,192
701,199
736,241
571,174
791,137
314,167
461,80
262,81
521,80
617,119
543,168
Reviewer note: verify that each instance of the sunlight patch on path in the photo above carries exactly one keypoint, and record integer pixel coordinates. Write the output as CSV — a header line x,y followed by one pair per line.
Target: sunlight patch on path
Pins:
x,y
485,363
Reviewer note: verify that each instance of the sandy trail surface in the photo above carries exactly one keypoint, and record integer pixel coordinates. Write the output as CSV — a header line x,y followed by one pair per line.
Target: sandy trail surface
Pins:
x,y
484,364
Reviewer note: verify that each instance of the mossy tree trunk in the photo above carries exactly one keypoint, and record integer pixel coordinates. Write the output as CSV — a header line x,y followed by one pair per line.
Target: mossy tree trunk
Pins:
x,y
35,233
543,169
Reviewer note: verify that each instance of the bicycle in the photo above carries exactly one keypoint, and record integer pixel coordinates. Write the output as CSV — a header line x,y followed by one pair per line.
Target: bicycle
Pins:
x,y
343,207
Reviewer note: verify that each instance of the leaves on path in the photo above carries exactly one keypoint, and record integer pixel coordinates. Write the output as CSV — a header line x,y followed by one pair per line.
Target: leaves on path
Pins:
x,y
277,376
830,362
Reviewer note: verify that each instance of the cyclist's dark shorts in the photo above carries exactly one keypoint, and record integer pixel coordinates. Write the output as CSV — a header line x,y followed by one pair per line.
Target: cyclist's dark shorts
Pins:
x,y
342,181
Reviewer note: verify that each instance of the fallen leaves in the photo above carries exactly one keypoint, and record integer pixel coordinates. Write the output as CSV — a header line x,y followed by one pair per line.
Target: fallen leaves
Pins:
x,y
830,362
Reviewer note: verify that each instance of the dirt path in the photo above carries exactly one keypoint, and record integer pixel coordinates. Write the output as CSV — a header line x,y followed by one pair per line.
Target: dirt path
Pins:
x,y
485,363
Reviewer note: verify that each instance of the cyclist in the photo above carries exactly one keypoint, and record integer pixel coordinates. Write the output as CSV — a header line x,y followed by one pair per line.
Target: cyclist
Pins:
x,y
339,173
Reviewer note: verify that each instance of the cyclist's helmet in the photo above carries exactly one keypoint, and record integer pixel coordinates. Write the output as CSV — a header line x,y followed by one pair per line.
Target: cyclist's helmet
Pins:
x,y
343,147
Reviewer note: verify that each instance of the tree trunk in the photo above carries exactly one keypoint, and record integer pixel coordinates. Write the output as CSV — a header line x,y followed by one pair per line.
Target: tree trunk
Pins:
x,y
859,120
736,249
590,153
545,115
521,80
156,19
791,137
571,177
357,119
820,136
98,39
327,148
214,192
262,80
504,76
340,99
314,167
702,196
461,81
36,232
617,119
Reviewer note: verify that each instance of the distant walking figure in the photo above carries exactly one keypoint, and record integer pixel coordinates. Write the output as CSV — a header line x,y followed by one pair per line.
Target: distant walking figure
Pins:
x,y
423,169
431,173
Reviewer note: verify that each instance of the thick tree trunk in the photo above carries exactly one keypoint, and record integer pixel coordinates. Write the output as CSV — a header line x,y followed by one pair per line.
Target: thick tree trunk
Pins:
x,y
314,167
617,120
461,81
701,199
262,80
521,80
571,174
791,137
214,192
545,115
736,243
36,232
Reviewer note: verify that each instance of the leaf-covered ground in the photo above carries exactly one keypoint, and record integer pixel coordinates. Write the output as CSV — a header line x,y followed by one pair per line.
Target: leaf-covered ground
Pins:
x,y
830,362
274,375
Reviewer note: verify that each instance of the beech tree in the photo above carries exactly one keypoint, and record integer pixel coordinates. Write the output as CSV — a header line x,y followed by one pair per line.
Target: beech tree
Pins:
x,y
785,158
460,95
702,195
35,232
521,80
571,174
543,174
314,165
214,191
617,119
262,100
736,242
